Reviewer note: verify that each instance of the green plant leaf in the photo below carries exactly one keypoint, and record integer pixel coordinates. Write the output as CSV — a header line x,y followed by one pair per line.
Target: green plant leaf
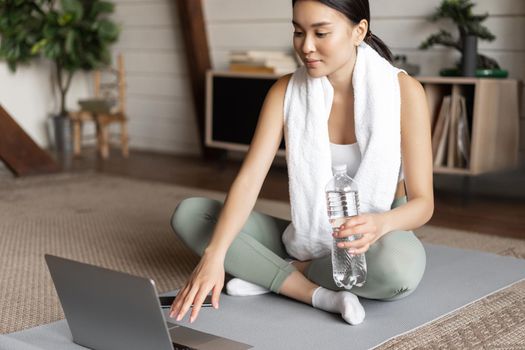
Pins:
x,y
101,7
108,30
65,19
36,48
73,7
75,35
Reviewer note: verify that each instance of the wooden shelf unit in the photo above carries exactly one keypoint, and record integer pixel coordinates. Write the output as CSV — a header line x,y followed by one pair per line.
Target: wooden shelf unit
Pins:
x,y
493,115
492,112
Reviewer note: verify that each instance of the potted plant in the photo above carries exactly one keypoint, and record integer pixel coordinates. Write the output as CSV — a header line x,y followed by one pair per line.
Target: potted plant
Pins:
x,y
470,30
75,36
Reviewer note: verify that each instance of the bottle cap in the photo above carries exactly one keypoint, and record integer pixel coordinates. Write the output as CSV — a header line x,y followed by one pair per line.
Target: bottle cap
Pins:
x,y
339,168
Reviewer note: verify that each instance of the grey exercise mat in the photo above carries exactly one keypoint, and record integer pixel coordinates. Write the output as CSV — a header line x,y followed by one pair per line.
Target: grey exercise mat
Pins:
x,y
454,278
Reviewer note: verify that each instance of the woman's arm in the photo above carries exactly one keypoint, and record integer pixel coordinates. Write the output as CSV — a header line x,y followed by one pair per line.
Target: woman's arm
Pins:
x,y
247,185
416,150
209,273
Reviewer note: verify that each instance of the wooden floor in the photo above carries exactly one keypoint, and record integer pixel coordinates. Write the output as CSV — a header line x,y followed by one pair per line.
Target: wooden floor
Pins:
x,y
490,215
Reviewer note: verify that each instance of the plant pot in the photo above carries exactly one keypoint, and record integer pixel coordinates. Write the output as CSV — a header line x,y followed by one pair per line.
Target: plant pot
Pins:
x,y
63,138
469,59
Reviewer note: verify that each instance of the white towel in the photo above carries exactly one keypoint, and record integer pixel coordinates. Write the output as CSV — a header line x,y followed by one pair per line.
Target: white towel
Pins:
x,y
307,107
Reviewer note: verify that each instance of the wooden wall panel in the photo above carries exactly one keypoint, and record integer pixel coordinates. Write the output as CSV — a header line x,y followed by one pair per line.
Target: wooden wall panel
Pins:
x,y
161,39
158,86
409,8
162,62
154,109
146,13
159,96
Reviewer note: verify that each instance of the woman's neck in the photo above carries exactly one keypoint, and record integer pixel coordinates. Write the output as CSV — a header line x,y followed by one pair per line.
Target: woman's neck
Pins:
x,y
341,79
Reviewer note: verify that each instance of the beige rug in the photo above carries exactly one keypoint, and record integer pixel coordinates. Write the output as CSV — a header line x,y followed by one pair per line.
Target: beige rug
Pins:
x,y
123,224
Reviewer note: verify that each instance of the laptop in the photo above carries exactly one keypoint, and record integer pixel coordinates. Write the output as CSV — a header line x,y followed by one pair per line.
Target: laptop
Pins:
x,y
110,310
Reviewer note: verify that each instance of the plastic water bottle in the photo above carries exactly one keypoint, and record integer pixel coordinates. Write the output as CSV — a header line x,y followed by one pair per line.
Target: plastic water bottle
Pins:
x,y
342,201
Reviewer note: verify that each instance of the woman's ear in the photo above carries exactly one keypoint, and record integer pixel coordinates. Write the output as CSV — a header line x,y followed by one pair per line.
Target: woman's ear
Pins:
x,y
360,31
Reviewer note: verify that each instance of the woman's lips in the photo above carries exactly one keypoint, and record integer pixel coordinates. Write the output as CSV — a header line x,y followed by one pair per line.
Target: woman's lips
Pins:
x,y
312,63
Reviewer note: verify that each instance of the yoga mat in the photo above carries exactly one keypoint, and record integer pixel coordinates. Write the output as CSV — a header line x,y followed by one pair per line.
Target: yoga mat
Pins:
x,y
454,278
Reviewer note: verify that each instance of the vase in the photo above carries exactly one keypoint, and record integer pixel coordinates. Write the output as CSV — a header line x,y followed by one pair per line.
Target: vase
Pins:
x,y
469,59
62,135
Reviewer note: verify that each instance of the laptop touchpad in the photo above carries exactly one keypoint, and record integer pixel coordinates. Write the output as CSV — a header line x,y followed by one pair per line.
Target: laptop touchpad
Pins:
x,y
190,337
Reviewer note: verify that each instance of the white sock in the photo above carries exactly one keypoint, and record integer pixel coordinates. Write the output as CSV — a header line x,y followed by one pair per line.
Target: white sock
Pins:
x,y
241,288
343,302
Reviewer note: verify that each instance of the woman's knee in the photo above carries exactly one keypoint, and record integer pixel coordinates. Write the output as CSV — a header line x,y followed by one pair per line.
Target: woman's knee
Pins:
x,y
400,280
399,267
194,219
190,208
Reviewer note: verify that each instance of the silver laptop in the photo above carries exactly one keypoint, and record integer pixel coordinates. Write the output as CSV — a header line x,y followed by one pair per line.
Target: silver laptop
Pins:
x,y
110,310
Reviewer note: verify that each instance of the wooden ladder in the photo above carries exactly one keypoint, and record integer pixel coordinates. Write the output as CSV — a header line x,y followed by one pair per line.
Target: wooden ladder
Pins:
x,y
19,152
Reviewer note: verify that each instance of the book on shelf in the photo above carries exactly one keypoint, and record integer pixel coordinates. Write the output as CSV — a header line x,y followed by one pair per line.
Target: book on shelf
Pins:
x,y
439,127
275,62
259,54
450,137
442,137
286,61
452,134
463,137
242,68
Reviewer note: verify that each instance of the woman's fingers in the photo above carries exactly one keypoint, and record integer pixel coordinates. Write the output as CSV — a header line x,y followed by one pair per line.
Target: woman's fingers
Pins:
x,y
177,303
188,300
197,303
361,250
215,296
207,274
356,230
360,242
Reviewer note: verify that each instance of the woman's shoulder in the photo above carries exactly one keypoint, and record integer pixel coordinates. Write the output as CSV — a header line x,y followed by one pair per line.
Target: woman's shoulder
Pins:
x,y
409,86
282,83
413,100
278,89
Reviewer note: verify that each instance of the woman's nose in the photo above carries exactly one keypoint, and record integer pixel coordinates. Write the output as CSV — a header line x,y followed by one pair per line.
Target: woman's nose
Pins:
x,y
308,45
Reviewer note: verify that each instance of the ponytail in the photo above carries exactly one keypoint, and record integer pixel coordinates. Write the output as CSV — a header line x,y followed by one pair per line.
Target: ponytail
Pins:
x,y
378,45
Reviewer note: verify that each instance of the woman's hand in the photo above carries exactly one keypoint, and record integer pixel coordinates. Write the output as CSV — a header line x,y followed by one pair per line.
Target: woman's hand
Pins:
x,y
207,275
370,226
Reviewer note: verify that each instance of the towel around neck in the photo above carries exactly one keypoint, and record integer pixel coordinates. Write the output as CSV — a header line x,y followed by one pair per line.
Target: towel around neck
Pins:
x,y
307,106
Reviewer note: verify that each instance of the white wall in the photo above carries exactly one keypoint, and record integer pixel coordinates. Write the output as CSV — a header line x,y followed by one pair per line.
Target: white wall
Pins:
x,y
159,101
29,96
402,24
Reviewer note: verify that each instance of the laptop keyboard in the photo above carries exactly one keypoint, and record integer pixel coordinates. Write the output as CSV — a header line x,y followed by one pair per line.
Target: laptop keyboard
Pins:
x,y
177,346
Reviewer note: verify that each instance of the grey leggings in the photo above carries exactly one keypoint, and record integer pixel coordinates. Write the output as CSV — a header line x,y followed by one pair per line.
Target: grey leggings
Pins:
x,y
395,262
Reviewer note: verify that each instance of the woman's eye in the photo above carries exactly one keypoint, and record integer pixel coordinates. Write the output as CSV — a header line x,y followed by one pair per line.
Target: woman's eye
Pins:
x,y
321,35
297,33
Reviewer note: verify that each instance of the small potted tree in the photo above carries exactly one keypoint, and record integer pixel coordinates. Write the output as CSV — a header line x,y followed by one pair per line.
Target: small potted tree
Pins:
x,y
75,36
470,31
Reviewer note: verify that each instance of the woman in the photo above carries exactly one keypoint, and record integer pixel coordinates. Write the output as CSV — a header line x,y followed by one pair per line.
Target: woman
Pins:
x,y
249,245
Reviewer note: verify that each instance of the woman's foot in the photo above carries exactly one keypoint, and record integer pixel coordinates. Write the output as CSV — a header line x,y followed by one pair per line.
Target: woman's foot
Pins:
x,y
241,288
343,302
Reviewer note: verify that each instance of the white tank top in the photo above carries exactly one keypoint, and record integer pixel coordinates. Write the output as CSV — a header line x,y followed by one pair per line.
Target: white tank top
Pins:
x,y
349,154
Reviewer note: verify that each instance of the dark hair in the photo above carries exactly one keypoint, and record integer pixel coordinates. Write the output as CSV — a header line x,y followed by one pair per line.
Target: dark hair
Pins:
x,y
357,10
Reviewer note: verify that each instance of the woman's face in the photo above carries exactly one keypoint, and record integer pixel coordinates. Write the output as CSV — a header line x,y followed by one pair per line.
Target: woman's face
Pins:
x,y
324,38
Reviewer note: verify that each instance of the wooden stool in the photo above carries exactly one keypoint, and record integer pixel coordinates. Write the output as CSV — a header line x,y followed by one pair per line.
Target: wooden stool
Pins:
x,y
103,119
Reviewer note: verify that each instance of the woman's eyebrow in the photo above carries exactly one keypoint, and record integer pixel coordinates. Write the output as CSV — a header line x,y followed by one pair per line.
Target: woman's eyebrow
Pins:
x,y
314,25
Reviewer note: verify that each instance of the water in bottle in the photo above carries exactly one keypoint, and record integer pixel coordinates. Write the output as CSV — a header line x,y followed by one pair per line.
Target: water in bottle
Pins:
x,y
342,200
